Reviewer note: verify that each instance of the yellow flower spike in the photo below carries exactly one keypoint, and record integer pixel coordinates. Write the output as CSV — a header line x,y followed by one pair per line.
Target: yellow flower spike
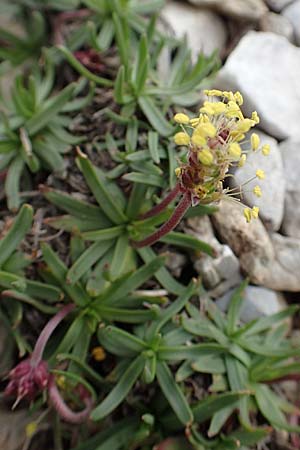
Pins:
x,y
265,149
255,117
206,157
181,138
194,122
213,93
98,353
182,118
30,429
255,212
248,214
238,98
260,174
198,140
255,141
234,150
242,160
257,191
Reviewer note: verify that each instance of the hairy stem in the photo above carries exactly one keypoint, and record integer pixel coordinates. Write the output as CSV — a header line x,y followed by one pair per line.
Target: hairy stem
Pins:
x,y
169,225
46,333
63,409
165,202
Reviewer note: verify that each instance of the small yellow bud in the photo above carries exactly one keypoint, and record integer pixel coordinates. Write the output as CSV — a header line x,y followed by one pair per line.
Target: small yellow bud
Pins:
x,y
182,118
206,157
257,191
242,161
248,214
98,353
255,117
260,174
213,93
198,139
194,122
30,429
178,172
207,129
238,98
266,149
234,150
181,138
254,212
255,141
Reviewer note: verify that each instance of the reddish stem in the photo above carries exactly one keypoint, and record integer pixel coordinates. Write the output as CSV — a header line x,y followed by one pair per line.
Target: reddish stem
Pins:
x,y
169,225
46,333
165,202
62,408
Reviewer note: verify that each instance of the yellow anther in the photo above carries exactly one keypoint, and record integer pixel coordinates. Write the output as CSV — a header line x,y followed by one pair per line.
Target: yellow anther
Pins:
x,y
98,353
242,160
194,122
248,214
219,108
243,126
198,139
266,149
30,429
233,110
260,174
206,129
181,138
182,118
255,117
257,191
203,118
255,212
178,172
238,98
255,141
229,95
206,157
234,150
207,108
213,93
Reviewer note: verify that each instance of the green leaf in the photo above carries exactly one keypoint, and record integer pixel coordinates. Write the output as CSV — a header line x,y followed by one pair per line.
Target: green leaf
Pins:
x,y
219,419
150,179
72,224
122,38
153,146
187,241
119,342
12,183
235,306
127,315
22,224
192,352
155,117
141,65
30,301
104,234
119,87
120,391
98,184
173,393
209,364
118,264
87,259
136,199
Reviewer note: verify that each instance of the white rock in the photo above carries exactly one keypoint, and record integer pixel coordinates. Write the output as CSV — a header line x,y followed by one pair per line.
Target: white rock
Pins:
x,y
265,67
278,24
278,5
290,151
239,9
205,30
258,302
292,13
271,204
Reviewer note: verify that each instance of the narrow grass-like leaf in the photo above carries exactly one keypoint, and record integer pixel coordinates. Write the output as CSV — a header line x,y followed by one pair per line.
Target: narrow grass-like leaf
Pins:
x,y
119,87
127,315
120,342
21,226
136,199
219,419
12,183
103,234
155,116
153,146
120,391
173,393
187,241
234,308
192,352
150,179
209,364
30,301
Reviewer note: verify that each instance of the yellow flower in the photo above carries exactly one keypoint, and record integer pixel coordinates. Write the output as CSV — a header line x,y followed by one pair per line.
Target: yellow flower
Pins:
x,y
98,353
30,429
266,149
255,141
181,138
257,191
255,117
182,118
242,160
206,157
198,139
260,174
238,98
248,214
234,150
254,212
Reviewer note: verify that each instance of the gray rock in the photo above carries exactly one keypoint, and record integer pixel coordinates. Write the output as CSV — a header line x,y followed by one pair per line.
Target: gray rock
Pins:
x,y
278,5
220,273
258,302
290,151
239,9
278,24
292,13
175,262
265,67
204,29
271,203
